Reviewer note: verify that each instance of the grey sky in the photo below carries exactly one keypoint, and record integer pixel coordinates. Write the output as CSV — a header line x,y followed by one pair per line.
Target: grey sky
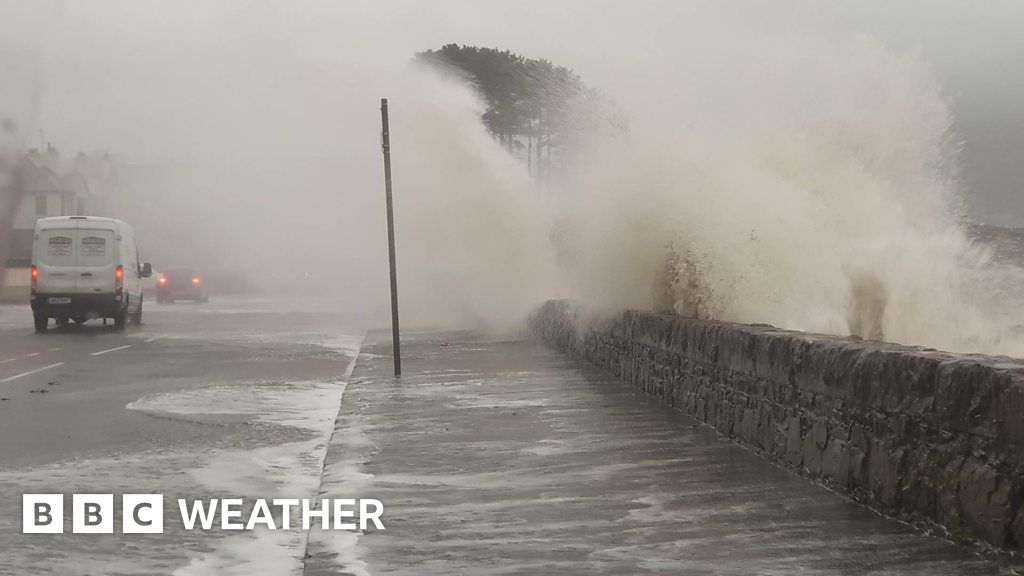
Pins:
x,y
177,79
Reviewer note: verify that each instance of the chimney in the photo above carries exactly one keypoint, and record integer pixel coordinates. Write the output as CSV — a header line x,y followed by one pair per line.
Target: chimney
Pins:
x,y
52,159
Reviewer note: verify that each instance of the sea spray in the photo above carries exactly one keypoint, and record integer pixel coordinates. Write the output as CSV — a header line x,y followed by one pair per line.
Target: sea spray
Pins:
x,y
811,185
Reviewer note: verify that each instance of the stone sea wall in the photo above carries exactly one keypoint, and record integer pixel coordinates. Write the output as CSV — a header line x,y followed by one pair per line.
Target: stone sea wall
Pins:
x,y
916,432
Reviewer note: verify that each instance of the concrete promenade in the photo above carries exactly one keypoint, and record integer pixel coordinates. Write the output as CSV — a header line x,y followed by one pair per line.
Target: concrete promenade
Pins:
x,y
509,458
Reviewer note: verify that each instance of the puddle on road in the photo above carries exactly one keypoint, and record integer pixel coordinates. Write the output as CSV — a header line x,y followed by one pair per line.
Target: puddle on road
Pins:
x,y
306,405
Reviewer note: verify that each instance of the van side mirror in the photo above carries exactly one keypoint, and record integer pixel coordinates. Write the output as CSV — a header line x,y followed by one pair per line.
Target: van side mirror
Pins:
x,y
147,270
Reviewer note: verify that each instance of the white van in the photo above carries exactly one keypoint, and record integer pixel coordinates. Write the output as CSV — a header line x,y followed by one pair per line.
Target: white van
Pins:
x,y
86,267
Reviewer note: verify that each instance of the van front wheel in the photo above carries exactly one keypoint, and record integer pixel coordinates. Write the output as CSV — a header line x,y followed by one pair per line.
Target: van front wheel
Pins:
x,y
41,321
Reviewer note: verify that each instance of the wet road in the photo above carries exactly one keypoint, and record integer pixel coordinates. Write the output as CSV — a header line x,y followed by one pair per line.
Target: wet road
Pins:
x,y
491,457
230,399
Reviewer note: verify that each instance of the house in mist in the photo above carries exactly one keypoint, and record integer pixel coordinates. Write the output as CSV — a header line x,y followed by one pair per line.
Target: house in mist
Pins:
x,y
52,187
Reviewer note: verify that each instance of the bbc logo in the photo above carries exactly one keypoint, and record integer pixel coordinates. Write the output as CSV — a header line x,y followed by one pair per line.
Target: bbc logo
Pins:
x,y
92,513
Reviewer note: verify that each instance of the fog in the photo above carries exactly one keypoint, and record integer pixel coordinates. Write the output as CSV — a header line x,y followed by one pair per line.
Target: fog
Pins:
x,y
792,154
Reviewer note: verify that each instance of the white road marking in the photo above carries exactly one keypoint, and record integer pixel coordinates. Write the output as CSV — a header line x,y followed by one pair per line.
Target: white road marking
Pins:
x,y
151,339
54,349
30,372
5,361
32,354
111,350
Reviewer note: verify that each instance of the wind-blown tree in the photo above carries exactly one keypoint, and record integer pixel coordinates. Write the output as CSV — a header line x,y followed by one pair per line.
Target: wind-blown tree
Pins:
x,y
532,106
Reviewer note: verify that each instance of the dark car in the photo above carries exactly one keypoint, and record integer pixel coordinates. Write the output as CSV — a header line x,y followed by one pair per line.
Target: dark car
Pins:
x,y
181,284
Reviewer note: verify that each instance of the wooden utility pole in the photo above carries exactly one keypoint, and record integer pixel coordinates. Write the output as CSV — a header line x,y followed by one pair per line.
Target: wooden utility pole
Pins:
x,y
386,144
